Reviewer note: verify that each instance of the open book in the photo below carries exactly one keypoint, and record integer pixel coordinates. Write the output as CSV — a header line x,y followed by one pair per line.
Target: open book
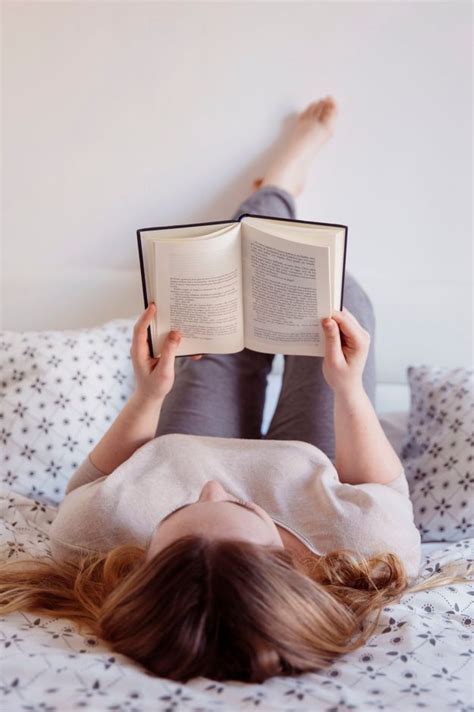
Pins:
x,y
259,282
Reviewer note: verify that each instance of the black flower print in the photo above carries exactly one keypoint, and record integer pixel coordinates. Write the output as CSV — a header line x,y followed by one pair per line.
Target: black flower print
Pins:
x,y
435,450
416,690
419,474
443,507
18,376
53,468
9,478
87,419
70,444
444,674
466,481
38,385
62,401
45,425
4,436
175,698
54,361
450,462
441,417
80,378
27,452
96,357
103,397
29,352
427,488
464,526
20,410
119,377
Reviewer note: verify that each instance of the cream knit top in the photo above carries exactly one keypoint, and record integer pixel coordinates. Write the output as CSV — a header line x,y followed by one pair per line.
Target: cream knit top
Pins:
x,y
295,482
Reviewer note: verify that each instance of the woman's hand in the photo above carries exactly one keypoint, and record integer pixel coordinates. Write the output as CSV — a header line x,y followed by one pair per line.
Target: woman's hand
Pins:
x,y
347,347
154,377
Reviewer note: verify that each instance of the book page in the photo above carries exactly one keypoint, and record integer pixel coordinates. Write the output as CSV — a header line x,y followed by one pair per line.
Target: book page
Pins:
x,y
287,291
317,234
198,290
192,232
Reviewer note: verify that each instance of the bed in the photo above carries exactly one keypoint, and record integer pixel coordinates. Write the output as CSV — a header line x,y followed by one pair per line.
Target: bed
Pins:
x,y
59,392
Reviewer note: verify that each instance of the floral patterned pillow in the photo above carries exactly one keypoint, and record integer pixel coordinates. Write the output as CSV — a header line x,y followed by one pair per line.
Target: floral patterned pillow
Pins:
x,y
59,393
438,451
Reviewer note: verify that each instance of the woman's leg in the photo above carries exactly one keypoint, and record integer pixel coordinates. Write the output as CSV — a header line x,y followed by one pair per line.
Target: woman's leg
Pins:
x,y
305,409
224,394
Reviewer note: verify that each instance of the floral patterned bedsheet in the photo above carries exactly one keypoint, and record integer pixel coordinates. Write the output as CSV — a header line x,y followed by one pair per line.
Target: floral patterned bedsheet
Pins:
x,y
420,656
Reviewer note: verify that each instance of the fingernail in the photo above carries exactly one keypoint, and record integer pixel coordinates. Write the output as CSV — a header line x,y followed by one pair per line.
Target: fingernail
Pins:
x,y
327,322
175,337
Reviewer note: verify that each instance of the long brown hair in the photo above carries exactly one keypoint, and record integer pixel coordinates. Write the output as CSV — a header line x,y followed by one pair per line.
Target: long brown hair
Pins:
x,y
222,609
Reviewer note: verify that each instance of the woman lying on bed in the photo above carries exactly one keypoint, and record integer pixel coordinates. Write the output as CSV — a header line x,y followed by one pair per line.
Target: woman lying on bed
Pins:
x,y
199,547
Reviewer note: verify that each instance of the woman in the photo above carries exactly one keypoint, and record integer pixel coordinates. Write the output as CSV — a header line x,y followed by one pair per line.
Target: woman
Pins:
x,y
198,547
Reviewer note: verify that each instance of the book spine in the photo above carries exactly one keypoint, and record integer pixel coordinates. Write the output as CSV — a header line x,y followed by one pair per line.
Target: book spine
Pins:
x,y
145,296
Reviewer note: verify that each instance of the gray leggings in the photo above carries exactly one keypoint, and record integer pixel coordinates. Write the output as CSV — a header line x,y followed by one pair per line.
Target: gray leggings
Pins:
x,y
223,395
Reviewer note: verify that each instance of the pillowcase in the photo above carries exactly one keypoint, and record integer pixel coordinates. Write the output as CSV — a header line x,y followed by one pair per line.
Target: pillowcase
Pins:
x,y
59,393
438,451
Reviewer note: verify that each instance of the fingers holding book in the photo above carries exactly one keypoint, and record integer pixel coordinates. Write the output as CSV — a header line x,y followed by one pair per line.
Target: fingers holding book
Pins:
x,y
347,348
154,376
144,364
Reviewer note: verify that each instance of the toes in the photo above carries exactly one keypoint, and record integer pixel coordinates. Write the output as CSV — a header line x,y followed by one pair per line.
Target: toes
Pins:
x,y
329,108
321,109
312,108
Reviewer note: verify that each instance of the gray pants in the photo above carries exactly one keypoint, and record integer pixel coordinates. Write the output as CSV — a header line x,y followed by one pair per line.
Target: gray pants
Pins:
x,y
223,395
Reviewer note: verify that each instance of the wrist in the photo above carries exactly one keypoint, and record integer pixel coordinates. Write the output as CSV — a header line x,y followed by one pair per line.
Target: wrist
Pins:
x,y
144,400
350,393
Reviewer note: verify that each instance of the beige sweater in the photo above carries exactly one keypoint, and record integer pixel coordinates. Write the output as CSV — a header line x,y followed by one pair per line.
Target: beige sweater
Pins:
x,y
293,481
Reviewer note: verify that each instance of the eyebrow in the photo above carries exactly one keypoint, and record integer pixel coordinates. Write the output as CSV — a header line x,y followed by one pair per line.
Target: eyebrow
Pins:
x,y
249,509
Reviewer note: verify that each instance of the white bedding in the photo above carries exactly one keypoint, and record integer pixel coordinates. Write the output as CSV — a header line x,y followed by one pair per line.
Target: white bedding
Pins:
x,y
420,656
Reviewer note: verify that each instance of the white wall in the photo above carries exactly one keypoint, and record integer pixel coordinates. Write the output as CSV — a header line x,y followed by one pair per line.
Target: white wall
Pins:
x,y
125,115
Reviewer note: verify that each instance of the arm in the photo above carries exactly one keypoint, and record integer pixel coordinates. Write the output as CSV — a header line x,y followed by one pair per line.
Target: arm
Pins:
x,y
137,422
134,426
363,452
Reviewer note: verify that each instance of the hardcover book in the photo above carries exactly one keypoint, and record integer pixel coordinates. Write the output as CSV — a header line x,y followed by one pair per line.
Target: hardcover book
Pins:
x,y
259,282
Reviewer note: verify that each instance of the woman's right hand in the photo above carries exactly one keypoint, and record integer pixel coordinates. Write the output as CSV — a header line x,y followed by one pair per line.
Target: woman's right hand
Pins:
x,y
347,347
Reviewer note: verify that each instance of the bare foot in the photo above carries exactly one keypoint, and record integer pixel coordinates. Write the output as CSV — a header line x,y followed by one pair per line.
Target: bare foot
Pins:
x,y
315,125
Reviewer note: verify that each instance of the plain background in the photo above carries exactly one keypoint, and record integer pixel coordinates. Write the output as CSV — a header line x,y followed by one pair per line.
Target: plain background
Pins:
x,y
118,116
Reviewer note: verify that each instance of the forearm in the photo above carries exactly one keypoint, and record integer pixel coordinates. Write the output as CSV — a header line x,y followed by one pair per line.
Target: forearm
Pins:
x,y
363,452
134,426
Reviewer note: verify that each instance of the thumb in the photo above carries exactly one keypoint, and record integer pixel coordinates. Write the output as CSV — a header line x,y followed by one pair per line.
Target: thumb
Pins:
x,y
333,341
168,351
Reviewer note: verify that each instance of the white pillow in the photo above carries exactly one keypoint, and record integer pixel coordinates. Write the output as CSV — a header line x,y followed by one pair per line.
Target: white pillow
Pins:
x,y
59,393
438,451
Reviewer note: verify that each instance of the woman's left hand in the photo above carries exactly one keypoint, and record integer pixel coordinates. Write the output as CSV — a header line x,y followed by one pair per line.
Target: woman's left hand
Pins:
x,y
154,376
